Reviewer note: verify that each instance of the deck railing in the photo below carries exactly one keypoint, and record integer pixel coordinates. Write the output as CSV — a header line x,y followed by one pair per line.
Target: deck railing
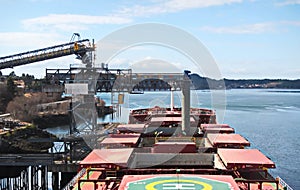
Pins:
x,y
284,184
72,183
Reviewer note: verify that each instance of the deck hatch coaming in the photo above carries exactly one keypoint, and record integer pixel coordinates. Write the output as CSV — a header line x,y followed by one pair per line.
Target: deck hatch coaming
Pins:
x,y
185,160
227,139
244,158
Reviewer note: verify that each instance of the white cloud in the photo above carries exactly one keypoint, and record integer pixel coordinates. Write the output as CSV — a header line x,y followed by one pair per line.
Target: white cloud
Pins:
x,y
19,42
242,29
171,6
70,22
151,65
38,69
291,23
257,28
39,1
177,5
146,65
77,22
117,63
239,70
288,2
16,42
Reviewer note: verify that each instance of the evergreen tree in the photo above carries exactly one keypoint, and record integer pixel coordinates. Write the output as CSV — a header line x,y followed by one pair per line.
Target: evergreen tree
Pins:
x,y
11,88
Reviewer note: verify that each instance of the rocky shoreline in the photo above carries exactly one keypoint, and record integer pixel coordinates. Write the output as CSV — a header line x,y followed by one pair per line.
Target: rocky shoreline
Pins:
x,y
51,120
54,119
25,139
21,137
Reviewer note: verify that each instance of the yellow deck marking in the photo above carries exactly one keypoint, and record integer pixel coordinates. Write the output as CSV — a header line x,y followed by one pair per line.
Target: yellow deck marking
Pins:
x,y
150,186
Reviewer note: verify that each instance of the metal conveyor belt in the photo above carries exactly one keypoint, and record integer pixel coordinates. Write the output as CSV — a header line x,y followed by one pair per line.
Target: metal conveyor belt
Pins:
x,y
77,47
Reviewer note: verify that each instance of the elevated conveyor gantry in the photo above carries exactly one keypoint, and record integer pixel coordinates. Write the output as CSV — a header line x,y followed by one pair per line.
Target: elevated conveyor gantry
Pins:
x,y
79,48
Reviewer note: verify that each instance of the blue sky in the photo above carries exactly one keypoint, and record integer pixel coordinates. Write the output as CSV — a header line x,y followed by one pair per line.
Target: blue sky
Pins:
x,y
247,38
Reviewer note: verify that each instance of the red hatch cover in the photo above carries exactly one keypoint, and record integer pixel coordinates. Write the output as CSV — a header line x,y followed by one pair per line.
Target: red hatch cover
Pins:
x,y
218,140
174,147
204,126
169,119
138,128
244,158
216,128
131,139
219,130
107,158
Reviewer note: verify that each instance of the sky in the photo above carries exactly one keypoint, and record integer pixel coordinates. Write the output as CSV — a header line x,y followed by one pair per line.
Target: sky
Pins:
x,y
248,39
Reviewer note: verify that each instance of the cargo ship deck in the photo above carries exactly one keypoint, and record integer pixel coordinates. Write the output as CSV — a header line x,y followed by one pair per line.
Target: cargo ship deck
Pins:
x,y
153,152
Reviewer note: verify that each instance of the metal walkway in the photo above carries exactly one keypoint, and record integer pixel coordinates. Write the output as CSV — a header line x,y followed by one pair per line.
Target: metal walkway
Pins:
x,y
26,159
117,80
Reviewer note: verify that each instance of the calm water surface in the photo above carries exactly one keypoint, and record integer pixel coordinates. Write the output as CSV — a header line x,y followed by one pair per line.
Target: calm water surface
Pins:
x,y
271,122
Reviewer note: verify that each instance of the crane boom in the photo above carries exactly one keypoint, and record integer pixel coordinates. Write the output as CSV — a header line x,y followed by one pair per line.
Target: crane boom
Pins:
x,y
78,47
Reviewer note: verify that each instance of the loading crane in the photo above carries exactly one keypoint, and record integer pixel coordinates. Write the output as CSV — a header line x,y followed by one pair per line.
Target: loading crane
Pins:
x,y
79,48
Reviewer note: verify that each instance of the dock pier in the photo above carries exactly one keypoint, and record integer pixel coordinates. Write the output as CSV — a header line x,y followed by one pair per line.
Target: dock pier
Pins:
x,y
57,167
41,171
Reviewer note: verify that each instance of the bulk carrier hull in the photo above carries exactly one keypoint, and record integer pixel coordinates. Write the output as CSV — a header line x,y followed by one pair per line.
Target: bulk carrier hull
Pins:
x,y
153,152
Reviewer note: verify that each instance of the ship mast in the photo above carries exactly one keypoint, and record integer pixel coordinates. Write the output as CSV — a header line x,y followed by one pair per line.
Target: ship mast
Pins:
x,y
172,100
185,113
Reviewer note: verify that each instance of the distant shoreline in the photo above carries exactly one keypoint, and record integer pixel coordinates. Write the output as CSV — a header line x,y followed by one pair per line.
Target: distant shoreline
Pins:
x,y
208,83
286,91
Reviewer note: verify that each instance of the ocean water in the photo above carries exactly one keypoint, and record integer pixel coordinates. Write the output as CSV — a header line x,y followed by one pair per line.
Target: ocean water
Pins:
x,y
269,119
